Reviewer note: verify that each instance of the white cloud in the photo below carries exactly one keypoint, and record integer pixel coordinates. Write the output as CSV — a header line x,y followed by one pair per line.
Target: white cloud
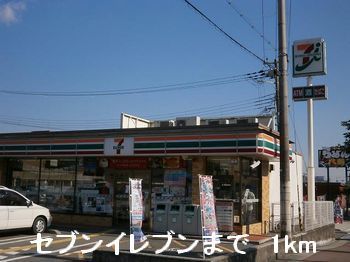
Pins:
x,y
10,11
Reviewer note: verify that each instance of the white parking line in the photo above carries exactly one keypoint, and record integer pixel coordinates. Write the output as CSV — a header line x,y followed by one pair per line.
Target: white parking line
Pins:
x,y
12,253
3,257
16,238
53,252
17,241
18,258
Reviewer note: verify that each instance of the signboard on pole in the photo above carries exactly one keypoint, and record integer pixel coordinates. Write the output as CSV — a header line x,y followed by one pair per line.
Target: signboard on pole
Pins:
x,y
319,92
333,157
136,209
207,204
309,57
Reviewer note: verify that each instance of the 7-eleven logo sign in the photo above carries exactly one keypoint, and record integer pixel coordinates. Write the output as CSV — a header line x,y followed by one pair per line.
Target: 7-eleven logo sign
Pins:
x,y
309,58
119,146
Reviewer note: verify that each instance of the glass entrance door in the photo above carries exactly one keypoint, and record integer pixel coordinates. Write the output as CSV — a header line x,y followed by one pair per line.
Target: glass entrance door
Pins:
x,y
121,195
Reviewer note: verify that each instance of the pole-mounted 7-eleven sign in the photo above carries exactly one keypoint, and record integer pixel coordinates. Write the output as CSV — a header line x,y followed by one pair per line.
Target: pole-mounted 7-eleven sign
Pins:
x,y
309,57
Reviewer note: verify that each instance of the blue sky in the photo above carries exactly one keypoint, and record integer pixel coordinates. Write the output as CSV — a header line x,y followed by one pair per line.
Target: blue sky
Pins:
x,y
66,45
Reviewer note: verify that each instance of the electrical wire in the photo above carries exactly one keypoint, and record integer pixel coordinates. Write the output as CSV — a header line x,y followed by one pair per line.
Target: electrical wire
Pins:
x,y
263,28
218,107
223,32
245,19
59,124
289,25
296,137
153,89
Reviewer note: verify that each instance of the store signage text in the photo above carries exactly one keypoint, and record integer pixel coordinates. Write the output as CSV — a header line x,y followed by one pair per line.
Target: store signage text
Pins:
x,y
319,92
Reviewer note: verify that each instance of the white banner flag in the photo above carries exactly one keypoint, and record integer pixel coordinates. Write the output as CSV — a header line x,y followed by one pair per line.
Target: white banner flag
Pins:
x,y
136,209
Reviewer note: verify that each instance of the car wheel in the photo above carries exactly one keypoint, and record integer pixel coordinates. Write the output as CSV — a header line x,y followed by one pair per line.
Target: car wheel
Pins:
x,y
39,225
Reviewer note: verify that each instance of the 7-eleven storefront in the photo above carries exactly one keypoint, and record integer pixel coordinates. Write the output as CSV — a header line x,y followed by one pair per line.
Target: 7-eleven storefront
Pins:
x,y
82,176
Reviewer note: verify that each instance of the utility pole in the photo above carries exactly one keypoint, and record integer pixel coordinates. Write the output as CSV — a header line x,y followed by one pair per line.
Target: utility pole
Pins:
x,y
284,134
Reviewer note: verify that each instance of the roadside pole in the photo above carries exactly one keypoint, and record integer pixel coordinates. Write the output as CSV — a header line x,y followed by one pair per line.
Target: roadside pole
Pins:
x,y
328,194
285,211
311,167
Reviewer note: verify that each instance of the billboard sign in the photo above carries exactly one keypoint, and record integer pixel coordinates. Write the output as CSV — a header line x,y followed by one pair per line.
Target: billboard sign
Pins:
x,y
309,57
319,92
333,157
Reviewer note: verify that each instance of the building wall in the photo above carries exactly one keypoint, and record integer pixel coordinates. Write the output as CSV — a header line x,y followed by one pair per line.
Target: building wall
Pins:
x,y
265,201
296,186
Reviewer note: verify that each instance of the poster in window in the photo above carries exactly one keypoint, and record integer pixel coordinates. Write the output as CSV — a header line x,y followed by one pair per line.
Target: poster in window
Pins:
x,y
91,167
175,181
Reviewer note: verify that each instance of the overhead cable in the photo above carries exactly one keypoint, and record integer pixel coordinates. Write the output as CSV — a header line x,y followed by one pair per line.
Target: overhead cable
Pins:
x,y
241,15
223,32
153,89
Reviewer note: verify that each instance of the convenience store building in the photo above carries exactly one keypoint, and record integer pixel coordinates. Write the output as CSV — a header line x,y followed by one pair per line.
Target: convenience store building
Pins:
x,y
83,176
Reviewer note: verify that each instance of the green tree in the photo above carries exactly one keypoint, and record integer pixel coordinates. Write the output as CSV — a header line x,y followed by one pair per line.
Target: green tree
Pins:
x,y
346,124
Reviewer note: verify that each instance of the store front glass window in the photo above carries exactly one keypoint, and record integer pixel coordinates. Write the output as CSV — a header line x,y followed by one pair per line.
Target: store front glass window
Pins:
x,y
251,192
171,180
57,184
223,177
25,177
94,187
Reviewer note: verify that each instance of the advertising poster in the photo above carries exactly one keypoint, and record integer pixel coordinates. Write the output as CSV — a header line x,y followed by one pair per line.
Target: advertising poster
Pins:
x,y
175,180
224,211
207,203
136,209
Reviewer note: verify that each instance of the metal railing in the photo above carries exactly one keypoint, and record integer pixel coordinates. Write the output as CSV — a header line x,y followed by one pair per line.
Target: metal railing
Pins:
x,y
312,215
295,220
318,214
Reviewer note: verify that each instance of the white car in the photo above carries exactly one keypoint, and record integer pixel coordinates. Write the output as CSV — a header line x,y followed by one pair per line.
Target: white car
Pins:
x,y
18,212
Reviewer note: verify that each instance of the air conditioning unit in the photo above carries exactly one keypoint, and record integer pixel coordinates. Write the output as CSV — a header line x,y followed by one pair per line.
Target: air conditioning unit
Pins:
x,y
167,123
215,122
233,121
242,121
248,120
253,120
188,121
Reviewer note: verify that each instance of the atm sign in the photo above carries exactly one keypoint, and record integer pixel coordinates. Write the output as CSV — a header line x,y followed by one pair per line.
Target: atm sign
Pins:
x,y
318,92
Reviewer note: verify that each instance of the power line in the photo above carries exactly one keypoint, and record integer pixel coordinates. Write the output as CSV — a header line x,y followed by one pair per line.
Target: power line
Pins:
x,y
202,109
153,89
296,137
222,31
247,105
263,28
261,34
232,108
289,24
